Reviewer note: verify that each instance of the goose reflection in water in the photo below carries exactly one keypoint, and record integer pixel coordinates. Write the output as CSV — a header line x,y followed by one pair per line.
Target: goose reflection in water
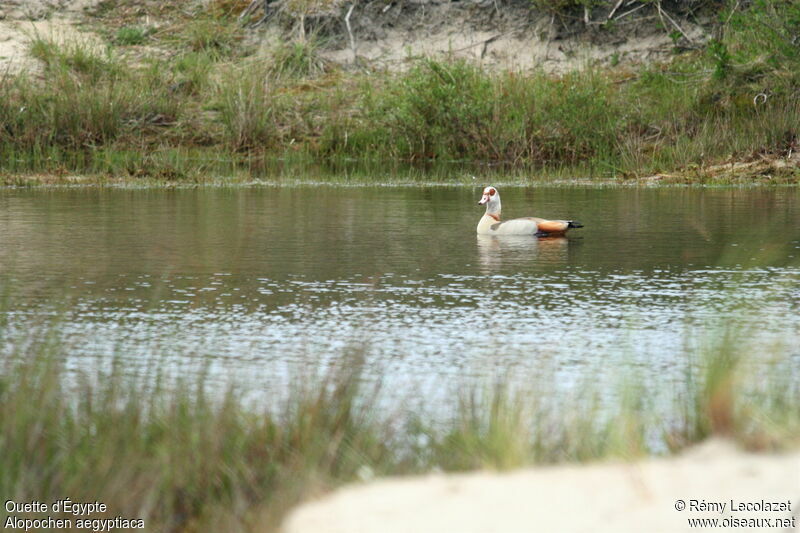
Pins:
x,y
508,250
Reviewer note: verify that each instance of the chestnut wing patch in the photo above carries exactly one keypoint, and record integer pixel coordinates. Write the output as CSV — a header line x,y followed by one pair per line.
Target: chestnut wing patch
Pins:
x,y
551,226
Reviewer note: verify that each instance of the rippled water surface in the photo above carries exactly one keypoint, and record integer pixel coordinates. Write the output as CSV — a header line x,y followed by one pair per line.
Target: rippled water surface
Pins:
x,y
251,282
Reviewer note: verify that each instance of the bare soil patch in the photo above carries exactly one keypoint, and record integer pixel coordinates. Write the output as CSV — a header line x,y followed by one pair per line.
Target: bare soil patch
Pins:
x,y
503,35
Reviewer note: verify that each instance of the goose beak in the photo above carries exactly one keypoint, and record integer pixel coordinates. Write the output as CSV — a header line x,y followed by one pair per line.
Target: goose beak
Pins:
x,y
484,199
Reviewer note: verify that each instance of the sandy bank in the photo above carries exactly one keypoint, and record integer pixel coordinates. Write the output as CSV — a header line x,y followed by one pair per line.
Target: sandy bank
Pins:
x,y
23,20
608,497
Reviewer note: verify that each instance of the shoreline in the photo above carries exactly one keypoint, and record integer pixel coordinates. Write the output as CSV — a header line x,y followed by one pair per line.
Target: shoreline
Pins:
x,y
91,182
766,172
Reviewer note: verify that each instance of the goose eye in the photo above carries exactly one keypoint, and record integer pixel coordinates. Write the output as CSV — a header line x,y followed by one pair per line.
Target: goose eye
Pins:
x,y
491,192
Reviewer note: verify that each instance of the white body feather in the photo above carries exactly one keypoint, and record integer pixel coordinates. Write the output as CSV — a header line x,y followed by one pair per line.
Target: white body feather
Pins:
x,y
517,226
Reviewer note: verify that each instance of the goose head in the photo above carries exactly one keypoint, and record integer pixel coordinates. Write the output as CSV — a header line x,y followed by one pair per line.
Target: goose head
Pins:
x,y
491,198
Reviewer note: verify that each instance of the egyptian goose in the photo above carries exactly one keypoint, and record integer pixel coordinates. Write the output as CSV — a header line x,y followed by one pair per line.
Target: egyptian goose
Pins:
x,y
490,223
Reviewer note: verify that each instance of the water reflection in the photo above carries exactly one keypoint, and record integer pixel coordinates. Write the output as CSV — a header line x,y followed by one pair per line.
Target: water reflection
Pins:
x,y
498,250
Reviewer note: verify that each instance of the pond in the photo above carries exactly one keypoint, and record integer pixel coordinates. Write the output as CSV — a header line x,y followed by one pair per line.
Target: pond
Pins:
x,y
251,283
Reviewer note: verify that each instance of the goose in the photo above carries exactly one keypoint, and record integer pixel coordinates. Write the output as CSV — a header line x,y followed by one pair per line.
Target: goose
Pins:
x,y
490,223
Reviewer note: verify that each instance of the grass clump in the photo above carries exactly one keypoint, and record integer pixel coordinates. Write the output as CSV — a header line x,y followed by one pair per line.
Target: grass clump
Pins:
x,y
247,110
297,59
209,35
81,58
132,35
193,72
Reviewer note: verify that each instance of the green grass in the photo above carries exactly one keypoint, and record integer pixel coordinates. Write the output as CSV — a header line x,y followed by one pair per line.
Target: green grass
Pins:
x,y
455,111
218,37
247,109
186,458
193,72
132,35
89,99
81,58
297,59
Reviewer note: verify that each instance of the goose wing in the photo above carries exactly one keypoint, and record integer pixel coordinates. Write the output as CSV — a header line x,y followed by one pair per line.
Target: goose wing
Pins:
x,y
517,226
530,226
551,226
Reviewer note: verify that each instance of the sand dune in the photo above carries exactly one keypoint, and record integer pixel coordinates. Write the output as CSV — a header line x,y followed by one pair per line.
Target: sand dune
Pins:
x,y
606,497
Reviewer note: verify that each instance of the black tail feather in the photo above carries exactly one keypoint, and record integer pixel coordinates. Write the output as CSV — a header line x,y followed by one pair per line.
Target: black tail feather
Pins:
x,y
574,224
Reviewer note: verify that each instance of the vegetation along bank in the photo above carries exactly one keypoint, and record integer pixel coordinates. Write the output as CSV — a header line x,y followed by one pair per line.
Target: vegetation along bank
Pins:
x,y
682,91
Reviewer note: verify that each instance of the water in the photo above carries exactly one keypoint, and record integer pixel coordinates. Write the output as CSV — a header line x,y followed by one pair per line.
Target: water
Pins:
x,y
251,283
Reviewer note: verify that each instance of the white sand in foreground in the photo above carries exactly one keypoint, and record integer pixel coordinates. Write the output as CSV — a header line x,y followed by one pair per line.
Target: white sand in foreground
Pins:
x,y
606,497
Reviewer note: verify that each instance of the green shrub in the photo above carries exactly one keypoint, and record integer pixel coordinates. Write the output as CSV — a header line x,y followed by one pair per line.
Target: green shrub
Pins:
x,y
454,110
439,110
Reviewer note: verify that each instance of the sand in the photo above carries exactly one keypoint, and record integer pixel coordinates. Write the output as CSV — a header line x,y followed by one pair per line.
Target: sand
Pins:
x,y
389,35
22,20
506,36
607,497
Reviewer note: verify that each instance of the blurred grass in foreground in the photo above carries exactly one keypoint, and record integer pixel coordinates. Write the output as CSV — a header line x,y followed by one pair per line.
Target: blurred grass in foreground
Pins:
x,y
184,458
